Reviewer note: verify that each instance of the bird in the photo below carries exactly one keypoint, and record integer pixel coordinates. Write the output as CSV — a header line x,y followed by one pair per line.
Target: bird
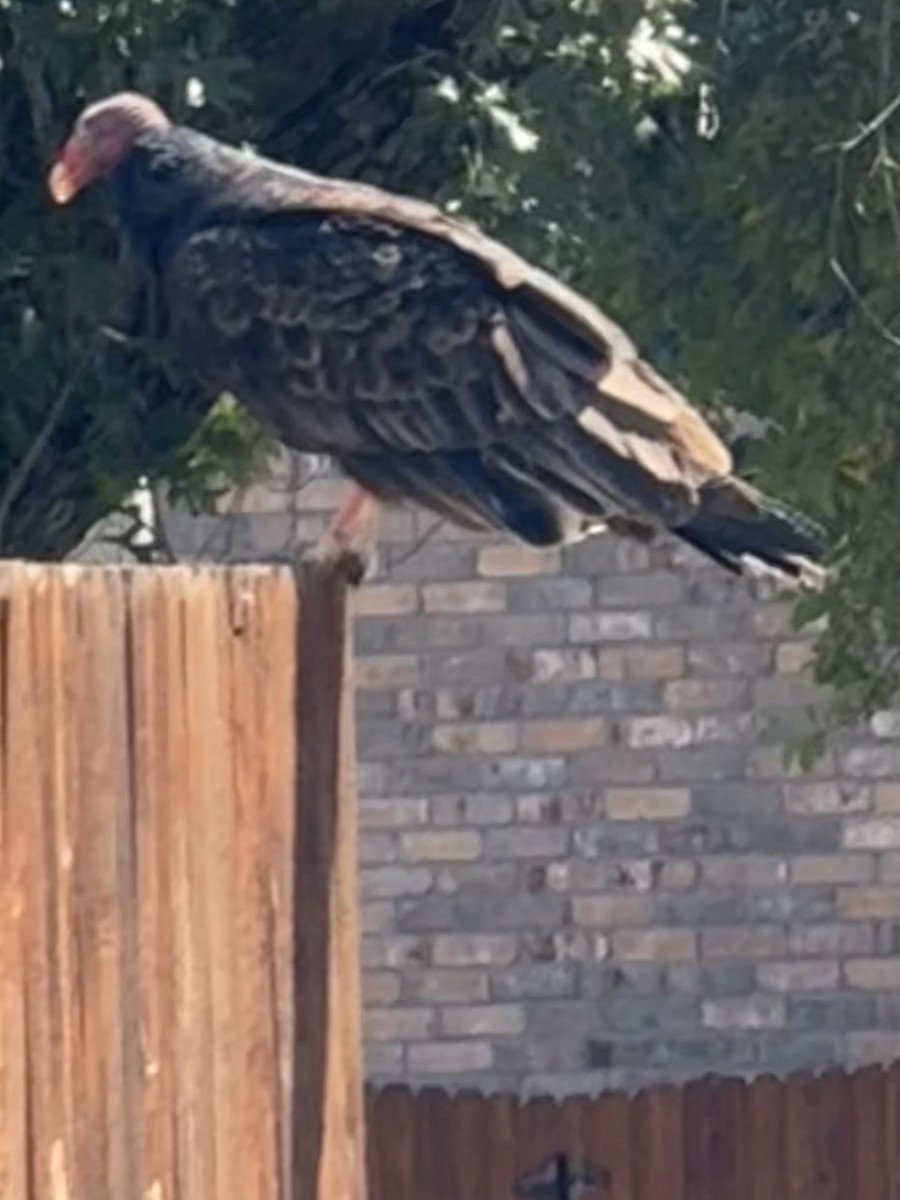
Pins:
x,y
429,361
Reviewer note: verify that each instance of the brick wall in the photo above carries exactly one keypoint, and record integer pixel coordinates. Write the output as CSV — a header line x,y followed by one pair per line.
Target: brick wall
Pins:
x,y
584,863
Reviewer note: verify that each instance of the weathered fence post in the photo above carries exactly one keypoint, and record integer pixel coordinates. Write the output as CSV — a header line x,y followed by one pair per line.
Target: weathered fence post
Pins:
x,y
327,1136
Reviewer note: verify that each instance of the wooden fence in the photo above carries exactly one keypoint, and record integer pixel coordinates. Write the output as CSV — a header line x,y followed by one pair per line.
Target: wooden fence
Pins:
x,y
150,811
831,1137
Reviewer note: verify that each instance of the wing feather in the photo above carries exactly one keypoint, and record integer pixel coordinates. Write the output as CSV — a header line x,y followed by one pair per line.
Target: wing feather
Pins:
x,y
532,376
597,348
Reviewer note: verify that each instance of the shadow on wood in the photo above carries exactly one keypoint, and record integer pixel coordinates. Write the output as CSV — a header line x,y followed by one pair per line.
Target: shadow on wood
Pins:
x,y
328,1134
148,728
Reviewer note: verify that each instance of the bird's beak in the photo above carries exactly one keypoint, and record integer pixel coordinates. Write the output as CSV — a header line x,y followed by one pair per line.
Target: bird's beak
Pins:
x,y
69,173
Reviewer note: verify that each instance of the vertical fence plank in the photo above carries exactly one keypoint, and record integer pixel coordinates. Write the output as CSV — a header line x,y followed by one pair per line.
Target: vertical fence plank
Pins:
x,y
892,1135
800,1138
394,1137
540,1141
834,1136
15,701
659,1144
607,1138
499,1163
152,694
327,1137
869,1088
709,1150
766,1136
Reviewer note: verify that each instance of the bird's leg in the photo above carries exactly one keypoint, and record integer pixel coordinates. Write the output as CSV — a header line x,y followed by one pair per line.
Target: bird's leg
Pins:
x,y
351,533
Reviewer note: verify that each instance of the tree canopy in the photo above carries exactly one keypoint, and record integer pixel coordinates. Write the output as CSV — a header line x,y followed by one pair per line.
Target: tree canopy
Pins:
x,y
718,176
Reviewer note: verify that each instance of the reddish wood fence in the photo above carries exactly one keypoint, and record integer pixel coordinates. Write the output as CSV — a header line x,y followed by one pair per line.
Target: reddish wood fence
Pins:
x,y
832,1137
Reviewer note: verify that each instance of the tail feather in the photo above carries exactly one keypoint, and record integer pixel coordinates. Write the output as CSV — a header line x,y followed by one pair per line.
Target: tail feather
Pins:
x,y
739,528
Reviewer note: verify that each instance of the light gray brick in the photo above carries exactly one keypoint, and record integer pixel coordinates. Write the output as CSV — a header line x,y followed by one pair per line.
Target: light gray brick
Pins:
x,y
389,953
526,842
481,878
833,868
798,975
793,906
482,911
563,666
437,561
873,1046
388,882
710,978
605,838
528,773
826,797
642,977
832,940
484,665
745,1012
732,660
400,814
484,1020
800,1052
839,1011
668,1015
744,870
450,1058
473,950
688,622
610,627
468,597
636,591
441,845
877,833
699,764
610,765
398,1024
542,594
704,695
643,732
445,985
872,762
742,942
485,809
605,555
706,907
535,981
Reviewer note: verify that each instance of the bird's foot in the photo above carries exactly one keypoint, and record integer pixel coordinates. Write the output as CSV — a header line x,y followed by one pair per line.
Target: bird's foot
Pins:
x,y
350,538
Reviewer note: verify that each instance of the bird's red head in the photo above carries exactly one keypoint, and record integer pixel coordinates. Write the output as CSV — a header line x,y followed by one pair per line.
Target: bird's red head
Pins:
x,y
103,135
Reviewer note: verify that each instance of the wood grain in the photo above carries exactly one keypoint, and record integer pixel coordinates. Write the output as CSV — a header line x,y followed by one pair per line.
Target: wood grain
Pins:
x,y
148,779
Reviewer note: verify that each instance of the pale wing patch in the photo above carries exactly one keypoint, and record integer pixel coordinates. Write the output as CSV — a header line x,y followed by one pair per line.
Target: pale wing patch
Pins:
x,y
692,434
626,382
597,425
636,385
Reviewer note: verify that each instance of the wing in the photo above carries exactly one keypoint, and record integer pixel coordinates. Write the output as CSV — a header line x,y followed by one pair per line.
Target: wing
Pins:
x,y
374,327
574,329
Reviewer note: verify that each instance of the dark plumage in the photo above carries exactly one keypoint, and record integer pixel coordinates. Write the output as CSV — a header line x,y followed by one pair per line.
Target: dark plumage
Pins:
x,y
430,361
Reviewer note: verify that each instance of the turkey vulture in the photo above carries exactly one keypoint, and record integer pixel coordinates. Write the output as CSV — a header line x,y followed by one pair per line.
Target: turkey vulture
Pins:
x,y
430,361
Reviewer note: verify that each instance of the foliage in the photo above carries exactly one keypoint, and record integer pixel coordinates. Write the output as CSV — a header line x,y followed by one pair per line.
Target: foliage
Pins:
x,y
718,175
735,205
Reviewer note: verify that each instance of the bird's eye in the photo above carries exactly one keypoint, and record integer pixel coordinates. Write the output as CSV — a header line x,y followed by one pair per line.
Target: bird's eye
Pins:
x,y
163,166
